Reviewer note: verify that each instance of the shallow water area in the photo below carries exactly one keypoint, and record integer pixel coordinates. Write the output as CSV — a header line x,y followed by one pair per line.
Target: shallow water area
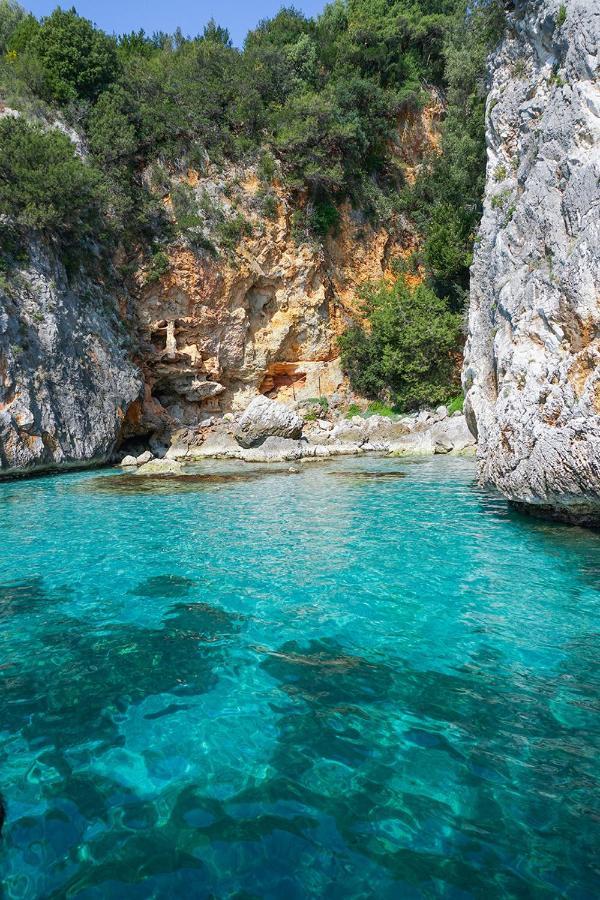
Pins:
x,y
367,677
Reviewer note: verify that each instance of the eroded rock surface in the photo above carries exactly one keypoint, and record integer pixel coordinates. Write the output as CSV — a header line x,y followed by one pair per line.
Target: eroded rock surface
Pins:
x,y
65,378
532,362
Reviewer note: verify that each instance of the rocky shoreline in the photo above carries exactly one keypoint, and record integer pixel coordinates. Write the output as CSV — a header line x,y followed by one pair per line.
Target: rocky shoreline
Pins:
x,y
268,431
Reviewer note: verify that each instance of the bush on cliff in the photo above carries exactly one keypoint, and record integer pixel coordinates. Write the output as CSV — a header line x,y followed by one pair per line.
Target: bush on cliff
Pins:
x,y
44,185
406,352
11,16
77,59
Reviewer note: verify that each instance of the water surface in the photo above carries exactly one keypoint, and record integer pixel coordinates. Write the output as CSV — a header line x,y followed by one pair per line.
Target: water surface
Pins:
x,y
367,679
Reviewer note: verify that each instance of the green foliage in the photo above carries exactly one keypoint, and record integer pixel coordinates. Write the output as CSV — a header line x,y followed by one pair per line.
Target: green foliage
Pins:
x,y
21,33
322,402
44,184
269,203
317,101
324,217
185,207
500,173
11,15
317,407
377,408
159,266
519,68
266,168
353,410
456,404
561,16
407,353
446,201
500,200
446,250
231,231
78,60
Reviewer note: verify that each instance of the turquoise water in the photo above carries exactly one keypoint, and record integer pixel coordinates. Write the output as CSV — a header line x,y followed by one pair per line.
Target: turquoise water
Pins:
x,y
326,684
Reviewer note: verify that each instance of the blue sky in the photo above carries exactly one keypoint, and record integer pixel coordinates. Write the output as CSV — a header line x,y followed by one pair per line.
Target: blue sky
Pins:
x,y
165,15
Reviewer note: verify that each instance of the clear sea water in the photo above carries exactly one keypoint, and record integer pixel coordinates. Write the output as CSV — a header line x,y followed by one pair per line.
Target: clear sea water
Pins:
x,y
368,679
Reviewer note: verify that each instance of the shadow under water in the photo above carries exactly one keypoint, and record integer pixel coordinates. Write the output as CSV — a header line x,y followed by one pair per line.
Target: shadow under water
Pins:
x,y
163,484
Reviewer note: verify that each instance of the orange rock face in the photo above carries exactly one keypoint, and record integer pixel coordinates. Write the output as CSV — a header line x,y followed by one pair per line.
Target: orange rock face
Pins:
x,y
265,316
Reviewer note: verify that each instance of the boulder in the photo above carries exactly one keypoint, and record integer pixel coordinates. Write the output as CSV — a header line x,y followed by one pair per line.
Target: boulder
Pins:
x,y
453,434
128,461
266,418
144,457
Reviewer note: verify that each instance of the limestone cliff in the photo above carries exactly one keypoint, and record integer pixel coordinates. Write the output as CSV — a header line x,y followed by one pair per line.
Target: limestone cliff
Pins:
x,y
532,364
262,316
245,301
65,378
225,320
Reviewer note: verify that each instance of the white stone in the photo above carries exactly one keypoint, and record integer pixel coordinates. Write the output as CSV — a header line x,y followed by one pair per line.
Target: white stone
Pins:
x,y
266,418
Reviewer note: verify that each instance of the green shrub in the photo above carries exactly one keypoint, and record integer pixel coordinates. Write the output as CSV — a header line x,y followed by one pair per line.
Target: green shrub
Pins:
x,y
44,184
408,352
269,203
78,60
231,231
500,173
11,16
456,404
185,207
159,266
447,247
353,410
324,217
500,200
323,402
561,16
377,408
266,168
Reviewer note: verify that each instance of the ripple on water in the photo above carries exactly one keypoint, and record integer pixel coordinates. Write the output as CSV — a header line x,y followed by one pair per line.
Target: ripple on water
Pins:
x,y
356,682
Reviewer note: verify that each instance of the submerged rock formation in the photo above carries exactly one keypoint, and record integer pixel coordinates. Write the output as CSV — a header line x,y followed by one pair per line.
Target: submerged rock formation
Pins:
x,y
65,378
532,362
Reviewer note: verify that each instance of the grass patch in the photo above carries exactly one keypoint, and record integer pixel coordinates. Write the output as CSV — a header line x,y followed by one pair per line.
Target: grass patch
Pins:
x,y
456,405
377,408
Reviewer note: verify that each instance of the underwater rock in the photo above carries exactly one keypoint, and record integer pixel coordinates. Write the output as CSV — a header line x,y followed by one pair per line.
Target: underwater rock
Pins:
x,y
160,467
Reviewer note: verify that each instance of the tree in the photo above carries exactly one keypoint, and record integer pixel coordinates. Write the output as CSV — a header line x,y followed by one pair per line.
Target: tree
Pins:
x,y
79,60
407,352
44,184
11,15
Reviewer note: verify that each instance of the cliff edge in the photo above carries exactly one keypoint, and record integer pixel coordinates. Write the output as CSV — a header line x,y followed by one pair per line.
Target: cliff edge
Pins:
x,y
532,360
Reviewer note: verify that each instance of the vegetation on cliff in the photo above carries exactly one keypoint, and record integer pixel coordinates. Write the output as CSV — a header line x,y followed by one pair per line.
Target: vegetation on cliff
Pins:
x,y
317,101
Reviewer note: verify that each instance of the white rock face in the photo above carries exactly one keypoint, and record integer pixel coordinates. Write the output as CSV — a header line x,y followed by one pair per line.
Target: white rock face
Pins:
x,y
265,418
532,361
